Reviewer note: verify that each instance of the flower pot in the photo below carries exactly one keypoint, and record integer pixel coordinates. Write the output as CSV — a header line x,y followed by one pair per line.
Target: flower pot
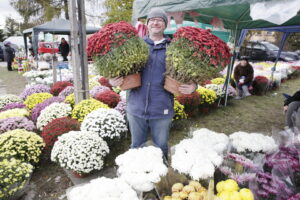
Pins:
x,y
131,81
171,85
78,175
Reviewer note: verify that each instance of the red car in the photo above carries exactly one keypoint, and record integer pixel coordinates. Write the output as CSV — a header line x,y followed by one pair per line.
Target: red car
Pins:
x,y
47,47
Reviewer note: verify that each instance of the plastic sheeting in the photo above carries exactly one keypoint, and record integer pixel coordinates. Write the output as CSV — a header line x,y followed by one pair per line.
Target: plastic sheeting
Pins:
x,y
277,12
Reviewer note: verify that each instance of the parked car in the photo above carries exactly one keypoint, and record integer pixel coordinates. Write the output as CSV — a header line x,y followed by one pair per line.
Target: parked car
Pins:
x,y
266,51
1,52
47,47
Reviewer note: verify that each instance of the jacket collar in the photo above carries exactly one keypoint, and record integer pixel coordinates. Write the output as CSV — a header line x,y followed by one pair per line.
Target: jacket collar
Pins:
x,y
151,42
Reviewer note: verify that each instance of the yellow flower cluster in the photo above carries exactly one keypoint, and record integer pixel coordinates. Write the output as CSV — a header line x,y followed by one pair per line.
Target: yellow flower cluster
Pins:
x,y
93,83
35,99
85,107
13,176
16,112
25,145
218,81
179,111
207,96
70,99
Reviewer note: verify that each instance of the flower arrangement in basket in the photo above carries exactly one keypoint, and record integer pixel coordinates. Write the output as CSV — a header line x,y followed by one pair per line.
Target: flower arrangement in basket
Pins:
x,y
14,175
118,51
21,144
107,123
56,128
80,151
194,54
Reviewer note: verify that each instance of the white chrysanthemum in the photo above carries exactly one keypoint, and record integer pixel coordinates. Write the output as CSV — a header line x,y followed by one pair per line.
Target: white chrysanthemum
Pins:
x,y
253,142
53,111
107,123
80,151
9,98
142,167
104,189
199,155
217,88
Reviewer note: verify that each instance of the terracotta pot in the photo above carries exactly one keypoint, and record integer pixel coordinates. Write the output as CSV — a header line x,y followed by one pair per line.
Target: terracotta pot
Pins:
x,y
172,85
77,175
131,81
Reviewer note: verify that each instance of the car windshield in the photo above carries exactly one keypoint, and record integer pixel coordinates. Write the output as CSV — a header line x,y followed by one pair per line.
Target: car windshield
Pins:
x,y
272,47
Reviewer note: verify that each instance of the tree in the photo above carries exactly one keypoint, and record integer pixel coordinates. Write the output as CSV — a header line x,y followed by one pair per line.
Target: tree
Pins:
x,y
118,10
294,41
11,27
2,36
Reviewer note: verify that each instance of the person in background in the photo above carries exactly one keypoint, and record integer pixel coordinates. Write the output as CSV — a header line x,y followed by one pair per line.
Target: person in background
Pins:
x,y
9,54
243,76
64,49
291,106
150,107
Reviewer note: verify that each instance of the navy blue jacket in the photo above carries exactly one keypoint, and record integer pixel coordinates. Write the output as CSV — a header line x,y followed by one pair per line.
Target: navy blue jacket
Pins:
x,y
151,100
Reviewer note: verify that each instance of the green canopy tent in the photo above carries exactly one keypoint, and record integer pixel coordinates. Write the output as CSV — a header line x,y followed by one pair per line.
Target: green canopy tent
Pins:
x,y
235,15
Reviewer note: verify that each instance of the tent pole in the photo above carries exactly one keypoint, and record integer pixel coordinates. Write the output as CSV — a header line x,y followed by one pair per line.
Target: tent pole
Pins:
x,y
229,70
282,42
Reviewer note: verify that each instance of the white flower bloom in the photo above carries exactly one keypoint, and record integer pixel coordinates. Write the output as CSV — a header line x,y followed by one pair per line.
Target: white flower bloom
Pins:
x,y
80,151
254,142
53,111
199,155
9,98
142,167
104,189
107,123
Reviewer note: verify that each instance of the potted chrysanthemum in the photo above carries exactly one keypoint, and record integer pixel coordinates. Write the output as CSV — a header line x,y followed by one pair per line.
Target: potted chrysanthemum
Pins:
x,y
118,51
194,55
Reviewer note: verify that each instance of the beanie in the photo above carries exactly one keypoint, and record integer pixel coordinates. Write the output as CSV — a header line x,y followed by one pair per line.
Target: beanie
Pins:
x,y
158,12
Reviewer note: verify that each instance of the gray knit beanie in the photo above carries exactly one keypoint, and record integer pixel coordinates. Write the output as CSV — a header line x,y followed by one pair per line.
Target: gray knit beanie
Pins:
x,y
158,12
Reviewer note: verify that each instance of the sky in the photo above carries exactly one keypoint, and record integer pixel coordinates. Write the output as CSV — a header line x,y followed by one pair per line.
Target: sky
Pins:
x,y
7,11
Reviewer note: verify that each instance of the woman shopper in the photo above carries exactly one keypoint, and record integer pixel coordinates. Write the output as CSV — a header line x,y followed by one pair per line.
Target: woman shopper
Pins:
x,y
243,76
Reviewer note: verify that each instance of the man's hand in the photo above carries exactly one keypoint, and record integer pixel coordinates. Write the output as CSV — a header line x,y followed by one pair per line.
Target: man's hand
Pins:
x,y
187,88
115,82
285,108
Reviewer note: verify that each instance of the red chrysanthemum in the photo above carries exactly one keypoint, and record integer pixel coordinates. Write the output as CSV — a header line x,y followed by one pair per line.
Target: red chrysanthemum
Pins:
x,y
59,86
109,97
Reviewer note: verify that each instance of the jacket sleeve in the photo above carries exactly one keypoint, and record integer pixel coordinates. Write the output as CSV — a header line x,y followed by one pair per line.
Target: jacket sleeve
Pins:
x,y
249,77
236,73
295,97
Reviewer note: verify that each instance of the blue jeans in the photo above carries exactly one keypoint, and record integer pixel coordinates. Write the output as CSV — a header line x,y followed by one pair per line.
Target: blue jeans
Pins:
x,y
159,131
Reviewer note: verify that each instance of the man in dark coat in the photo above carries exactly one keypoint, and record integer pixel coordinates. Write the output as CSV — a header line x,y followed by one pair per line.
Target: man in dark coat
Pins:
x,y
243,76
9,54
64,49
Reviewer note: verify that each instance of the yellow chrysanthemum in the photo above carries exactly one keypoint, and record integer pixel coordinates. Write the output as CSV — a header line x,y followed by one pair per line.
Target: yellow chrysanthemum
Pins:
x,y
36,98
207,96
85,107
179,111
218,81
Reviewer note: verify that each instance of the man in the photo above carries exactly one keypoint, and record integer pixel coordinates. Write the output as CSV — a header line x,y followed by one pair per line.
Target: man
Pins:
x,y
151,106
64,49
243,76
292,109
9,54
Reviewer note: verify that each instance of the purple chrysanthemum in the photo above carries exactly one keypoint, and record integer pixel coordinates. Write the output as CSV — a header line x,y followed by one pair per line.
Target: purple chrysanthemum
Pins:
x,y
66,92
121,107
12,106
13,123
98,89
39,107
39,88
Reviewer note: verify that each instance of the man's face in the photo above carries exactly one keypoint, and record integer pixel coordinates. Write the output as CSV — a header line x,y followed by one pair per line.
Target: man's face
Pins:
x,y
243,62
156,26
